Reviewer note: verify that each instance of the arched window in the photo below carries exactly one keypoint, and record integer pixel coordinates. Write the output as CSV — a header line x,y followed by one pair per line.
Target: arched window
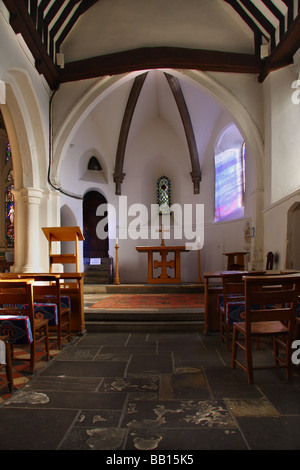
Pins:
x,y
9,216
163,191
94,164
229,175
7,203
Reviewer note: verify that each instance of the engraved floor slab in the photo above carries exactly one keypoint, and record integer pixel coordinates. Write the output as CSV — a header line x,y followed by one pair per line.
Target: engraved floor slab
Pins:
x,y
178,414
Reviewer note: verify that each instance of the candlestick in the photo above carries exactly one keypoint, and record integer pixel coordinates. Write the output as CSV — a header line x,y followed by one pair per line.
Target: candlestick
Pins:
x,y
117,280
199,279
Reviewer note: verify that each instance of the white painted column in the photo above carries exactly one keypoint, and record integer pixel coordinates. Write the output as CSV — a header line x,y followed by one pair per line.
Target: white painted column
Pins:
x,y
31,199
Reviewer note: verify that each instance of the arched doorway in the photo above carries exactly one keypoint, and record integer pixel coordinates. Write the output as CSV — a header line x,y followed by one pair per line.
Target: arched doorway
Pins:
x,y
93,247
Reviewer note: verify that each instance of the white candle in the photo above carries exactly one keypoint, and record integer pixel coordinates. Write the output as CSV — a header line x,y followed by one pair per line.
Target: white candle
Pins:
x,y
116,241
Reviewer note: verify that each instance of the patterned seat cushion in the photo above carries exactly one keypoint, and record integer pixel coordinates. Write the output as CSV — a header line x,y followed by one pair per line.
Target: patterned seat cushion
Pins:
x,y
17,327
45,310
235,312
65,300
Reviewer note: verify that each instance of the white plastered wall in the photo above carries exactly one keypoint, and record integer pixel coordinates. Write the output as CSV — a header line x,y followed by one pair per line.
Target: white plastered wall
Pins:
x,y
155,150
25,113
282,157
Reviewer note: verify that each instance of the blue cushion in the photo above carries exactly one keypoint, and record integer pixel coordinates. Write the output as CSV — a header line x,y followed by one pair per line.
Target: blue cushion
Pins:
x,y
17,327
235,312
47,311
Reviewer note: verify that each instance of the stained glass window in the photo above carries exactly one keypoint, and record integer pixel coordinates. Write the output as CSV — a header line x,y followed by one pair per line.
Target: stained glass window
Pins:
x,y
8,153
9,216
164,194
229,181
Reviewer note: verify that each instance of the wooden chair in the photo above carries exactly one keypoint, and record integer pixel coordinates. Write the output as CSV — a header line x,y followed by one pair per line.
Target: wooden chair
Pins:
x,y
47,295
231,303
21,326
270,311
49,303
7,365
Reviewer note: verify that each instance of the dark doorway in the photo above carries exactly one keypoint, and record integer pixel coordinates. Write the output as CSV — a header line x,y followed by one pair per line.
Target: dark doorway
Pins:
x,y
93,247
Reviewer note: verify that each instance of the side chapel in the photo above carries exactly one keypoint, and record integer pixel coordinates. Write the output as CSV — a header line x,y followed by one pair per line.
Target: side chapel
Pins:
x,y
108,109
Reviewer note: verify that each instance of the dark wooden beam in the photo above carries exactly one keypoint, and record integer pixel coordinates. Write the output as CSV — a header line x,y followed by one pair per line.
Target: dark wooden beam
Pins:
x,y
125,127
22,23
249,21
56,27
82,8
278,14
261,19
48,18
188,128
283,54
159,57
290,6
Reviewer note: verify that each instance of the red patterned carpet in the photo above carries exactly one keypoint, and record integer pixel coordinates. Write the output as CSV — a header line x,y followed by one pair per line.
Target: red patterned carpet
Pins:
x,y
148,301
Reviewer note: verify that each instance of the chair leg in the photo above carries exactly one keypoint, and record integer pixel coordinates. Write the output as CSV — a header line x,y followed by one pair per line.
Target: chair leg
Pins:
x,y
59,335
234,341
227,337
47,348
275,351
69,327
32,357
8,367
289,365
221,327
249,360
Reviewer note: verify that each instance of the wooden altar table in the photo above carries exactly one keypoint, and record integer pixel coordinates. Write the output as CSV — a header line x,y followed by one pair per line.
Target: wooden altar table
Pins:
x,y
164,278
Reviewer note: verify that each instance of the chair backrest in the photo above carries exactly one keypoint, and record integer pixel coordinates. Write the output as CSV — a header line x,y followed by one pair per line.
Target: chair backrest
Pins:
x,y
18,292
271,298
49,287
233,286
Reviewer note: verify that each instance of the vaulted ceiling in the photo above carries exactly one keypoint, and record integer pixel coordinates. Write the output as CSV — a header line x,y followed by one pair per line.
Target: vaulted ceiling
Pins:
x,y
78,39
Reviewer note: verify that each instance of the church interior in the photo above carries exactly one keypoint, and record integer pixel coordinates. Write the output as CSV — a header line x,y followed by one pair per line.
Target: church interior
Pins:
x,y
146,149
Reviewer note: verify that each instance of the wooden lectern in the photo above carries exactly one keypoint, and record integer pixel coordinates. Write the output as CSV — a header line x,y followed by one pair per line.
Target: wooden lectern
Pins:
x,y
63,234
72,283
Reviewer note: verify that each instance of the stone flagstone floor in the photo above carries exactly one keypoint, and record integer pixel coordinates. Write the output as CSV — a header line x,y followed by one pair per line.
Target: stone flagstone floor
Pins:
x,y
155,392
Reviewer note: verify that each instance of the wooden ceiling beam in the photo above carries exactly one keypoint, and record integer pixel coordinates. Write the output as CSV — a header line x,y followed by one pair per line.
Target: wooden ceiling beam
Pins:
x,y
22,23
159,57
278,14
261,19
249,21
283,54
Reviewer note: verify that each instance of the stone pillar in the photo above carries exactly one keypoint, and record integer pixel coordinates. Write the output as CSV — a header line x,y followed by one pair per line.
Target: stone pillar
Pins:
x,y
31,199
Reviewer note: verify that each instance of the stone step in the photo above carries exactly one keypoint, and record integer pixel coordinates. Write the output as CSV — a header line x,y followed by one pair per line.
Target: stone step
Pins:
x,y
97,279
143,288
125,316
100,274
144,327
155,319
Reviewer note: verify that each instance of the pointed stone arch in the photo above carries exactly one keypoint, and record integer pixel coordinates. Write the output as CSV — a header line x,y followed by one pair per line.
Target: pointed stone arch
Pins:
x,y
186,122
127,118
188,128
